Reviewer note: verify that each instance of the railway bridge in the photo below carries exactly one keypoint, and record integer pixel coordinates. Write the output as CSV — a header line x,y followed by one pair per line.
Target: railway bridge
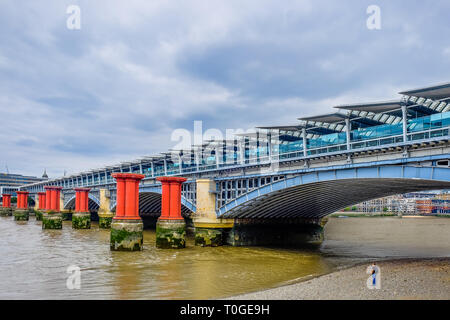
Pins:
x,y
276,184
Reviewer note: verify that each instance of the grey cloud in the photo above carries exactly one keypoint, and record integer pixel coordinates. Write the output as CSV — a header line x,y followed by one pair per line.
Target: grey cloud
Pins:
x,y
117,88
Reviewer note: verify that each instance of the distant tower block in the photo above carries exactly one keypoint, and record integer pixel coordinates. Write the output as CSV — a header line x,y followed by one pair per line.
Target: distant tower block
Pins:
x,y
171,227
127,227
6,209
81,219
22,213
52,218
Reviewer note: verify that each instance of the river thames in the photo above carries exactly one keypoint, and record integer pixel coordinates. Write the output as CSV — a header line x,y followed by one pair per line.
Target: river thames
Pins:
x,y
34,262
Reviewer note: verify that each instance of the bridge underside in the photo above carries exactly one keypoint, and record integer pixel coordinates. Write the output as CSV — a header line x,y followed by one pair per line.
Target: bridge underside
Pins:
x,y
93,206
150,205
317,200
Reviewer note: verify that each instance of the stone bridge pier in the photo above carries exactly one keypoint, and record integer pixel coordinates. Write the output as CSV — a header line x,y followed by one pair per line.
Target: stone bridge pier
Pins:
x,y
105,215
6,209
210,231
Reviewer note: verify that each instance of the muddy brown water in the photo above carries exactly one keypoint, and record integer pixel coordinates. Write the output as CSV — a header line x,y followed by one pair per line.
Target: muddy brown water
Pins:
x,y
34,262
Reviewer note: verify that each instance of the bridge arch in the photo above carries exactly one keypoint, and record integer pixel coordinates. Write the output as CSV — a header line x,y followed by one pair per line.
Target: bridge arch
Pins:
x,y
150,205
318,194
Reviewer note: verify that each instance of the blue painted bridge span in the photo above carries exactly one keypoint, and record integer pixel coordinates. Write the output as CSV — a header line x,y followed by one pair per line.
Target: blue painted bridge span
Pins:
x,y
318,194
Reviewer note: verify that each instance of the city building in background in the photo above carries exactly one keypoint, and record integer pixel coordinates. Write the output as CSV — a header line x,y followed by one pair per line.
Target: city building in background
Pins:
x,y
416,203
10,183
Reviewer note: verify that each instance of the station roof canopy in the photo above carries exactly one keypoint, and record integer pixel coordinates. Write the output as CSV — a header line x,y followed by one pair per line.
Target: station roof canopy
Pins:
x,y
309,128
338,118
389,107
313,129
436,92
375,107
284,128
335,117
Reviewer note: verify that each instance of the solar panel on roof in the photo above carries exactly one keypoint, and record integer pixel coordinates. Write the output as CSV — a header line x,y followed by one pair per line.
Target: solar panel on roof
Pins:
x,y
436,92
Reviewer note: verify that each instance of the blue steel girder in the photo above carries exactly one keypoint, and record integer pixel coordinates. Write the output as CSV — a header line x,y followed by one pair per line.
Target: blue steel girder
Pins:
x,y
319,193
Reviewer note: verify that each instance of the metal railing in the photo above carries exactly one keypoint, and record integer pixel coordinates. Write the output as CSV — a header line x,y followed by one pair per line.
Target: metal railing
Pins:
x,y
355,146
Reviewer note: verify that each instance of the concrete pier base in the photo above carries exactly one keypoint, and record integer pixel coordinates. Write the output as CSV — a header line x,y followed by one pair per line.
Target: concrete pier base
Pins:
x,y
81,220
21,215
104,221
277,232
126,235
208,237
52,220
171,234
6,212
211,232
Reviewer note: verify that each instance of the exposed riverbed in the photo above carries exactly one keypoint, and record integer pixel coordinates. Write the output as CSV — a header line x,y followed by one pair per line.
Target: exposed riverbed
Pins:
x,y
406,279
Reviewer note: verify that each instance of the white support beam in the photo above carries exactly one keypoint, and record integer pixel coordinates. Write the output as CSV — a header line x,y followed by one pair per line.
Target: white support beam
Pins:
x,y
305,143
348,124
405,123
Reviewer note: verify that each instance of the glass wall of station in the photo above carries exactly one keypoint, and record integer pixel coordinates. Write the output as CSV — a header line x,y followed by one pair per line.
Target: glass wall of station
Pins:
x,y
418,128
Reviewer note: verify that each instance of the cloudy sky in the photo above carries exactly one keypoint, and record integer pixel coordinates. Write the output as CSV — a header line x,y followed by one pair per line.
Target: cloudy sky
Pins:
x,y
137,70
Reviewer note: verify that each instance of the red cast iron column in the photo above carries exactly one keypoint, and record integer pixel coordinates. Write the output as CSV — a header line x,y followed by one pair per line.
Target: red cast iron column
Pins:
x,y
42,200
171,197
6,209
22,200
52,198
6,200
127,195
82,199
48,197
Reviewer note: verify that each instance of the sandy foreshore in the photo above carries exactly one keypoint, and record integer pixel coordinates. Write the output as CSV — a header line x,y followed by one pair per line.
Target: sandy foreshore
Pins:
x,y
400,279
